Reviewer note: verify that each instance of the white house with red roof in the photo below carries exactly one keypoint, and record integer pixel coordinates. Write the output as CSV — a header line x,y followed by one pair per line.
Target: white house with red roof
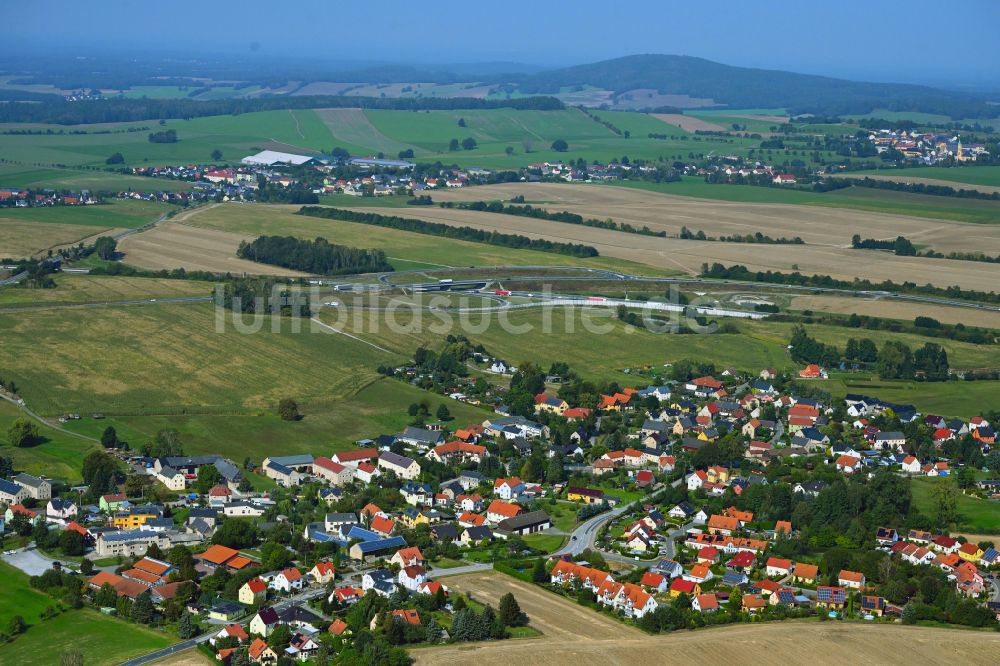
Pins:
x,y
287,580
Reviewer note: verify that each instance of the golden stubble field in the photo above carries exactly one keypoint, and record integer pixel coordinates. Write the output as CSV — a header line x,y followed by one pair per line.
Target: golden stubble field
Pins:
x,y
892,309
23,238
573,636
816,225
688,255
177,245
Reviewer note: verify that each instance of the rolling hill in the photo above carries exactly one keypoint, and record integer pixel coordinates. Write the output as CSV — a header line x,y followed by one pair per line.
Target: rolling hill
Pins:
x,y
744,87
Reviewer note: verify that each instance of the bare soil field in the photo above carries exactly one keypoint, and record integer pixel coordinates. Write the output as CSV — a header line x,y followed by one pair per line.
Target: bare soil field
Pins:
x,y
189,658
573,635
896,309
900,177
176,245
688,256
22,238
688,123
816,225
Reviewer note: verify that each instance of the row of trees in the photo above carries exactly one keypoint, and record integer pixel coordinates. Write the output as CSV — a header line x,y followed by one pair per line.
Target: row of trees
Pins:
x,y
316,256
563,216
894,360
448,231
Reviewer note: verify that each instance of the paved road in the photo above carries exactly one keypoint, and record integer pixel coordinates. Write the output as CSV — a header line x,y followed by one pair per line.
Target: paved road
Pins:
x,y
457,571
198,640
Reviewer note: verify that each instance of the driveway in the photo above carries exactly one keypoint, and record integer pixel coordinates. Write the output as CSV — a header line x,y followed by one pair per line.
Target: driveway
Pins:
x,y
30,562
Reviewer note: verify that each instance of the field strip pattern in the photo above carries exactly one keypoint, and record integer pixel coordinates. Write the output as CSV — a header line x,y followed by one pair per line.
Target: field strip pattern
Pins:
x,y
353,126
841,263
574,635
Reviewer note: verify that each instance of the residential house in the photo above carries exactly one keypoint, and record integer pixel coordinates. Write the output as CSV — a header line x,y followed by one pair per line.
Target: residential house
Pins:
x,y
526,523
401,466
852,579
288,580
253,592
499,510
37,488
12,493
334,473
264,622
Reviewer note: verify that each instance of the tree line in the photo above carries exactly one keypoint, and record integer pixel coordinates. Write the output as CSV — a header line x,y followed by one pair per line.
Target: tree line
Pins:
x,y
914,188
758,237
563,216
448,231
894,360
316,256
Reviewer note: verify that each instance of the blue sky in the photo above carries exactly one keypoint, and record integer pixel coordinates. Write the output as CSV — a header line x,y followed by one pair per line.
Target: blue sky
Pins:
x,y
913,40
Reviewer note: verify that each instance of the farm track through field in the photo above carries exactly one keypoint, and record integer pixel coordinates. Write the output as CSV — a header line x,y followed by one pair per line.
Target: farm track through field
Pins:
x,y
574,635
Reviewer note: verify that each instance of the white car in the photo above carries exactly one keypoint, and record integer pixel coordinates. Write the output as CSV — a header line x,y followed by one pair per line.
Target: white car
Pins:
x,y
9,552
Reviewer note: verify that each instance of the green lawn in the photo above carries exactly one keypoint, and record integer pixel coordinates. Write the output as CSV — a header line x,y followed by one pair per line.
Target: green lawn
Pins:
x,y
101,639
545,542
563,514
975,515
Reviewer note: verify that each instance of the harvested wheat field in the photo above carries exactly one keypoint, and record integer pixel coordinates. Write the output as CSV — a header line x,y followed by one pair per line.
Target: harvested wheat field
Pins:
x,y
688,255
176,245
189,658
816,225
688,123
573,635
24,238
892,309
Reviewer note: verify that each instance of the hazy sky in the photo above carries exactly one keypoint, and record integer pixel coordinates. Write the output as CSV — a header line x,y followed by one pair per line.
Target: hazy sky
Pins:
x,y
884,40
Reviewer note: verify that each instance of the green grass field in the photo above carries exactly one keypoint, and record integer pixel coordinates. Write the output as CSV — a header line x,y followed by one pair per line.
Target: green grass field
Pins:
x,y
544,542
170,358
103,640
77,288
118,214
326,426
975,515
13,175
973,175
955,398
236,136
529,133
59,455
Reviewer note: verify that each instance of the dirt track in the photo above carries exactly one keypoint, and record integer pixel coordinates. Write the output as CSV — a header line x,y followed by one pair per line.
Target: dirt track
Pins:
x,y
576,636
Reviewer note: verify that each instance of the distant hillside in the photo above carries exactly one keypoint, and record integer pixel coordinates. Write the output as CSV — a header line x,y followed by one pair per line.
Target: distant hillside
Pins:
x,y
748,88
